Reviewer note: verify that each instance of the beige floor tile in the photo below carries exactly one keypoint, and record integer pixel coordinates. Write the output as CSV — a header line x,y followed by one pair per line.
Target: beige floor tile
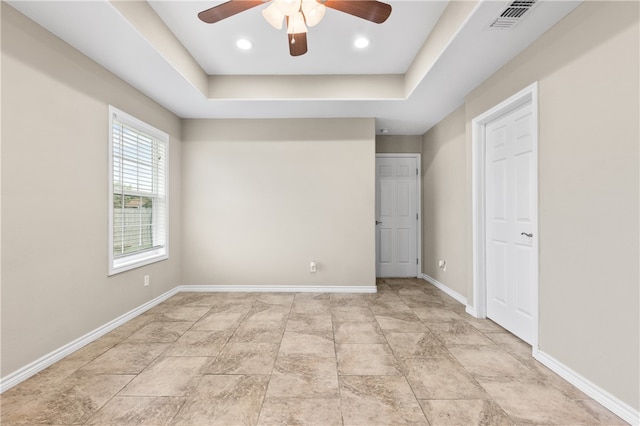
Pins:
x,y
125,358
366,360
184,298
184,313
258,332
77,399
131,326
389,307
515,346
427,301
483,325
358,332
379,400
458,333
199,343
304,378
401,322
415,345
222,318
160,332
245,358
350,299
220,301
490,361
464,412
265,312
441,378
605,416
284,299
302,322
313,296
220,356
300,411
170,376
534,402
552,379
314,306
436,314
224,400
307,343
137,410
352,314
83,356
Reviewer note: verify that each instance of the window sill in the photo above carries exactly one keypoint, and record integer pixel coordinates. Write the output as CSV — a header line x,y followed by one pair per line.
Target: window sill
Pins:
x,y
128,263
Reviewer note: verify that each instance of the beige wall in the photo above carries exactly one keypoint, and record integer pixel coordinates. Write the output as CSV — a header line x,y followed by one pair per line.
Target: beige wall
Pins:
x,y
444,196
263,198
54,195
587,67
398,144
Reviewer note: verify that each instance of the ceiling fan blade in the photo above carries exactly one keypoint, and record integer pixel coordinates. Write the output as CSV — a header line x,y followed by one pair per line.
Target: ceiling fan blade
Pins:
x,y
225,10
371,10
297,44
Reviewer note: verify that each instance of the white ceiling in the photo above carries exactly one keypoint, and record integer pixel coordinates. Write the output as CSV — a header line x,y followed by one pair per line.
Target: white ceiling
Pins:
x,y
123,44
330,43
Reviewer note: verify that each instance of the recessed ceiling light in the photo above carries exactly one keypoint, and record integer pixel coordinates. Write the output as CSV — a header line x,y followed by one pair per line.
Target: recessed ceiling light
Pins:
x,y
244,44
384,131
361,42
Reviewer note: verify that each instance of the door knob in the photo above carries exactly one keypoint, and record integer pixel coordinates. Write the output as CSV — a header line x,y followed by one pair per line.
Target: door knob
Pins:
x,y
378,222
526,235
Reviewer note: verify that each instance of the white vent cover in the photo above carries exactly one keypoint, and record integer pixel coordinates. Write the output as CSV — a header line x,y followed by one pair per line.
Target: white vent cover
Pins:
x,y
512,14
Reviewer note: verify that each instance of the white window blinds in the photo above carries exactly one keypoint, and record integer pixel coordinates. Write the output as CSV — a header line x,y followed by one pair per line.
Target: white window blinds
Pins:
x,y
138,216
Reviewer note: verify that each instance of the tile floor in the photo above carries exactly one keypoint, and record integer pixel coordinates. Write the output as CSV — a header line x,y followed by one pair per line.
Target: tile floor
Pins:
x,y
406,355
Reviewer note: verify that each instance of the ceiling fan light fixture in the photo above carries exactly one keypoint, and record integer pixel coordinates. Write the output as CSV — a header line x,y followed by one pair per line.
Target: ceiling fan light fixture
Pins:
x,y
274,15
295,24
288,7
313,12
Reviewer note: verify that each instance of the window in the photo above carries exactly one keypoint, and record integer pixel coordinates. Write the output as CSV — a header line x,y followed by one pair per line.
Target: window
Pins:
x,y
138,196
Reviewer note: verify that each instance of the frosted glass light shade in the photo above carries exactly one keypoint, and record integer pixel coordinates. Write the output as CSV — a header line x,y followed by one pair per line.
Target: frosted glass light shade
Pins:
x,y
313,11
274,15
288,7
295,24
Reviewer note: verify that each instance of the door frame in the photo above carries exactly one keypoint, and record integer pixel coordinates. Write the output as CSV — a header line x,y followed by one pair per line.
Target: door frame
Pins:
x,y
418,158
478,150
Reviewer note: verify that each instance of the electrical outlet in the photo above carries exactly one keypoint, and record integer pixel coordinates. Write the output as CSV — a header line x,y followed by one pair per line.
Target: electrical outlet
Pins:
x,y
146,280
442,264
313,267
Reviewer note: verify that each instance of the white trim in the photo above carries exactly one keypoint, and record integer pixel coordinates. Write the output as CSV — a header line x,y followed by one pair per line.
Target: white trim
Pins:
x,y
52,357
479,308
460,298
418,158
278,289
610,402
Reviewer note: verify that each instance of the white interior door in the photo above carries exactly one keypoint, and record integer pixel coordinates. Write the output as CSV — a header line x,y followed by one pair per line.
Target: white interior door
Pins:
x,y
396,216
511,209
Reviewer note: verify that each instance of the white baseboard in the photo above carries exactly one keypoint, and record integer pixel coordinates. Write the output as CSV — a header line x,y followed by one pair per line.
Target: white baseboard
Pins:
x,y
45,361
279,289
460,298
610,402
471,310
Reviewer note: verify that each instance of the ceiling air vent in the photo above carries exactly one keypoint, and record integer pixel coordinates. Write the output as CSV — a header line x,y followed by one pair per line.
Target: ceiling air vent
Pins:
x,y
512,14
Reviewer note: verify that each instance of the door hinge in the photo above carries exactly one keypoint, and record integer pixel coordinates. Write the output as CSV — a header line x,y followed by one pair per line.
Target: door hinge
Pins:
x,y
417,216
416,260
416,172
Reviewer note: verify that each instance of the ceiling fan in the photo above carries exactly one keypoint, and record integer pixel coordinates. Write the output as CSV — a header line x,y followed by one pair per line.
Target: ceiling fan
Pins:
x,y
298,14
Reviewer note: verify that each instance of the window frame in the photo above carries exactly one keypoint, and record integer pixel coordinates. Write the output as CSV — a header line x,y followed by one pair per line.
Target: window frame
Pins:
x,y
118,264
